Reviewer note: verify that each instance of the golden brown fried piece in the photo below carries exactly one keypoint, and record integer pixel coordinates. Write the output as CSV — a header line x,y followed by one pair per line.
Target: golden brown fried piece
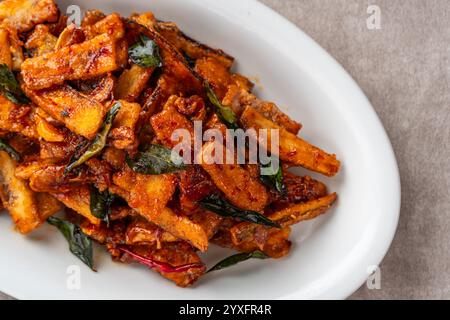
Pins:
x,y
41,41
189,46
132,82
238,98
5,52
219,77
78,200
123,134
292,149
303,211
147,193
82,61
69,36
141,231
17,118
23,15
17,197
234,181
169,120
111,25
80,113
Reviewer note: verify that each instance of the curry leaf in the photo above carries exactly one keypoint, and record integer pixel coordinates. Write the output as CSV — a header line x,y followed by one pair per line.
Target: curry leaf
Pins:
x,y
100,203
9,86
236,258
155,159
274,180
226,114
79,243
223,208
98,143
9,150
145,53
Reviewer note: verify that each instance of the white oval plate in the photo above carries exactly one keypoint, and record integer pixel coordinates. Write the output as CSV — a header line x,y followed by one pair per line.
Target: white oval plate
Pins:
x,y
330,255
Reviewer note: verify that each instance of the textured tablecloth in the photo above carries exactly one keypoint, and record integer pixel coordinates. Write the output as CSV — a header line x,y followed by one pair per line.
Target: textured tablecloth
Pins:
x,y
404,70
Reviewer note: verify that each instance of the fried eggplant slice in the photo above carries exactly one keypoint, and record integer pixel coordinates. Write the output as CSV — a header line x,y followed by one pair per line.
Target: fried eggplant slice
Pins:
x,y
292,149
82,61
297,189
234,181
17,197
23,15
189,46
80,113
248,237
303,211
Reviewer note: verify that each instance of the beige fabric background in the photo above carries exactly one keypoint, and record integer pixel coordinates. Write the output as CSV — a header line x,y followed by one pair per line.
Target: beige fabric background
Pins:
x,y
405,72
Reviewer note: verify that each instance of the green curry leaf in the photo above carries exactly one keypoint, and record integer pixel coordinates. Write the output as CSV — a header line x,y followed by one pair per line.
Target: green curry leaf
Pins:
x,y
226,114
10,150
9,86
155,159
145,53
223,208
236,258
79,243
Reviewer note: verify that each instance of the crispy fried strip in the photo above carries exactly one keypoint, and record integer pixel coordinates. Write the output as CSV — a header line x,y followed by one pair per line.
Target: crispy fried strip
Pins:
x,y
80,113
238,98
169,120
292,148
17,197
148,196
111,25
149,193
234,181
141,231
77,62
132,82
303,211
124,125
191,47
78,200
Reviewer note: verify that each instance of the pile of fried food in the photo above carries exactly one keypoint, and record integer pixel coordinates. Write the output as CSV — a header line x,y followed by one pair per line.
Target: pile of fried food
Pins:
x,y
86,118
